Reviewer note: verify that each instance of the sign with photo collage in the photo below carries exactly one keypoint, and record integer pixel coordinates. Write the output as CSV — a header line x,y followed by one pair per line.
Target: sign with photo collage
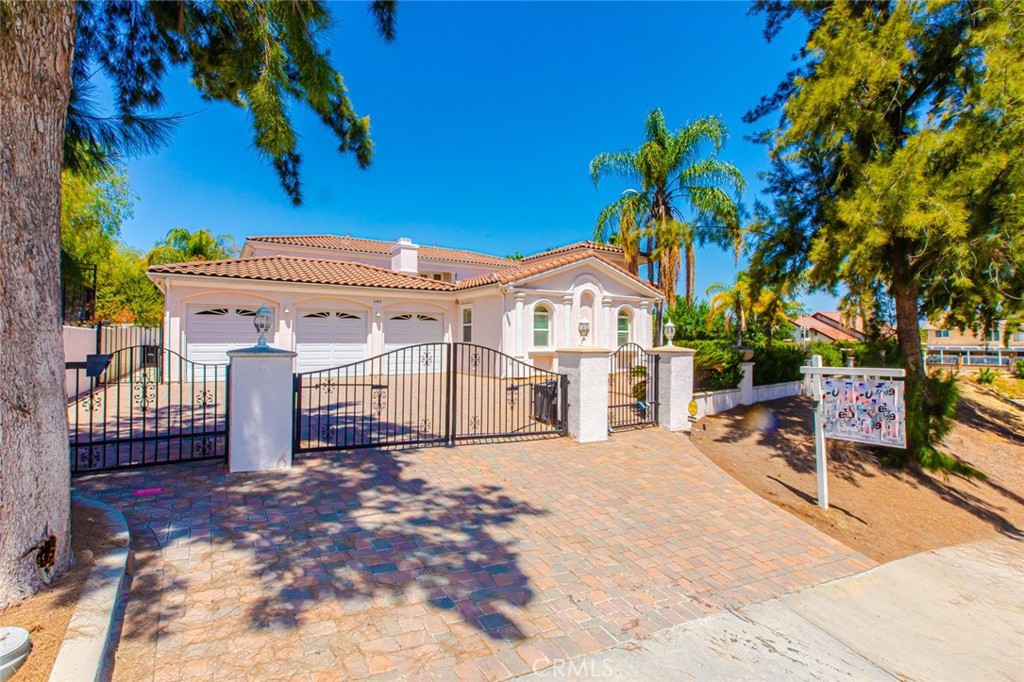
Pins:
x,y
864,411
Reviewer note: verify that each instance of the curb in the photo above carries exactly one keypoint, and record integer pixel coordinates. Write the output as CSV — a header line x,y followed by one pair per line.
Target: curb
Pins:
x,y
83,654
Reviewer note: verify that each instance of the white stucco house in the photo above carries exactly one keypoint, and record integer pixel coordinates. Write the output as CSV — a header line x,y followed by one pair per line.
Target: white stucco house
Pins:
x,y
340,299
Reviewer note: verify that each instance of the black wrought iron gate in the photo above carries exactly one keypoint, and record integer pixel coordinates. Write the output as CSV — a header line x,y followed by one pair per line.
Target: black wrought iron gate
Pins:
x,y
145,405
428,394
632,388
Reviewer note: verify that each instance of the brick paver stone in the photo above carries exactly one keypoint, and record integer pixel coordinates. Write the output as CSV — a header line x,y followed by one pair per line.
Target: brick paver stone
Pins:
x,y
473,562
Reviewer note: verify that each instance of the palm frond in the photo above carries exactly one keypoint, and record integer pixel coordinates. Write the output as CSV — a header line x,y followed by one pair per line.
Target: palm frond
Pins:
x,y
622,164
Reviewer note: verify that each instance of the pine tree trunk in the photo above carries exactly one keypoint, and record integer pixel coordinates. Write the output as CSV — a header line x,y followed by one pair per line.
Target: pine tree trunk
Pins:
x,y
36,43
691,272
905,296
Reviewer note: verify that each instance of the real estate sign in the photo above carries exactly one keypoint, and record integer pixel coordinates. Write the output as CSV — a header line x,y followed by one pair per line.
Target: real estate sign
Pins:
x,y
864,410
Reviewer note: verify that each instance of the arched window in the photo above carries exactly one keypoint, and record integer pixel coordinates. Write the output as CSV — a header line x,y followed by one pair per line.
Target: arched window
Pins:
x,y
541,327
622,327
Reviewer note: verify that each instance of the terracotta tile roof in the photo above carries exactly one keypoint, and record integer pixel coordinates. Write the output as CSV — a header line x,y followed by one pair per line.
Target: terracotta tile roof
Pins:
x,y
377,246
529,268
823,328
345,273
303,271
836,317
577,246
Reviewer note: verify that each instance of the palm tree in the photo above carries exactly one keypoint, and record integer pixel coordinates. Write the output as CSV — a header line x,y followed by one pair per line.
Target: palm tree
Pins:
x,y
182,245
735,302
669,169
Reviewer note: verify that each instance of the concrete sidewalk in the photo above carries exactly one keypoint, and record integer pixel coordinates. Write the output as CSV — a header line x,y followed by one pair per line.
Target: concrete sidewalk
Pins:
x,y
951,614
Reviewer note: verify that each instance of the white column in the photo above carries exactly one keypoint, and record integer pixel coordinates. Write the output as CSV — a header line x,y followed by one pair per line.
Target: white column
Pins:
x,y
644,333
747,383
675,387
587,369
260,409
607,332
520,326
567,326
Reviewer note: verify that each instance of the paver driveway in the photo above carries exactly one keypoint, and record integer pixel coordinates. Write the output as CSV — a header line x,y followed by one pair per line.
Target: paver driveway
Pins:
x,y
475,562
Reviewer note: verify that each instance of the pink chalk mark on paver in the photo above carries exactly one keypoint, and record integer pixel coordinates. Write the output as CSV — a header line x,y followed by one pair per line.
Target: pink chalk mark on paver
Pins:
x,y
147,491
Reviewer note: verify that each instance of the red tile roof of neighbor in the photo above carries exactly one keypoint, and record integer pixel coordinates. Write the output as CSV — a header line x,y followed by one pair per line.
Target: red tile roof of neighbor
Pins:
x,y
837,317
344,273
823,328
360,245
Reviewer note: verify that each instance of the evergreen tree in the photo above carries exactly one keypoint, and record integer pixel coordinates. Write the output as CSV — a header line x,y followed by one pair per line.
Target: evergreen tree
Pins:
x,y
897,169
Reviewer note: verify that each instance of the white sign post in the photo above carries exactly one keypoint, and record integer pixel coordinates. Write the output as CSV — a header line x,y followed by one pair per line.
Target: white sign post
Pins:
x,y
860,404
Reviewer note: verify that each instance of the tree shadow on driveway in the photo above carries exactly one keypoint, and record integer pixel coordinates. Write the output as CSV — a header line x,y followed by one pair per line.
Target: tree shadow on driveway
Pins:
x,y
347,528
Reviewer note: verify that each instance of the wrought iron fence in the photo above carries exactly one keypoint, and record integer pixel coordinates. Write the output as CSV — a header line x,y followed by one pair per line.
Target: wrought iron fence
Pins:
x,y
149,405
111,338
632,388
78,293
704,378
428,394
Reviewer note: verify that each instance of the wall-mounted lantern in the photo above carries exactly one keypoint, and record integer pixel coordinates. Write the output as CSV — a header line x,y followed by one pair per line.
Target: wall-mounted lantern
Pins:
x,y
584,330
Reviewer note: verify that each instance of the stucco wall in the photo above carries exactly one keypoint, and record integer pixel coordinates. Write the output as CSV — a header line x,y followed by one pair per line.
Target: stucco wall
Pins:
x,y
502,316
78,342
581,290
716,402
785,389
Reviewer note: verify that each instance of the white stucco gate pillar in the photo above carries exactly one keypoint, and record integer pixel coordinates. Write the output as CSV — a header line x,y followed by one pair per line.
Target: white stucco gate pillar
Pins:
x,y
747,383
587,369
675,387
260,409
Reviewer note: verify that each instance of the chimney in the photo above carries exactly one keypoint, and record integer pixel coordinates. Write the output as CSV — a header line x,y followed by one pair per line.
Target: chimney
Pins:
x,y
404,257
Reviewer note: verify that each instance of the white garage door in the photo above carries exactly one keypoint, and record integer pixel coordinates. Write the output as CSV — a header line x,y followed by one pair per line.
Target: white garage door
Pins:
x,y
211,331
411,329
329,338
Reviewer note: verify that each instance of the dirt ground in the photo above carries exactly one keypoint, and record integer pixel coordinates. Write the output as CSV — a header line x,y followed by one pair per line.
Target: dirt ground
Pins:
x,y
884,513
46,615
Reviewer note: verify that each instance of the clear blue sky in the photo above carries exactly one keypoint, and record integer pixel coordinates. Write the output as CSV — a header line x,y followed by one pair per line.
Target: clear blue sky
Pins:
x,y
485,117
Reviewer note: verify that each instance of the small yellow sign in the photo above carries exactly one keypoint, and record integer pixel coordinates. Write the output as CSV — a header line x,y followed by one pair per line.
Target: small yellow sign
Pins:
x,y
692,407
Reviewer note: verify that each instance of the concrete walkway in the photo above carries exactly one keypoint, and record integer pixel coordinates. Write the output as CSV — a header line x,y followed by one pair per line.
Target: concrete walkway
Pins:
x,y
950,614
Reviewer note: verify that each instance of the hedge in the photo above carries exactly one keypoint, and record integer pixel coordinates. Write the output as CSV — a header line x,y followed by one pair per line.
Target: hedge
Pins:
x,y
778,363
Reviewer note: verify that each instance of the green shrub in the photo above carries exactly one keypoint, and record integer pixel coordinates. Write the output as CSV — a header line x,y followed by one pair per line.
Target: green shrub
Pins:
x,y
777,363
929,422
717,363
986,375
1018,368
831,353
878,353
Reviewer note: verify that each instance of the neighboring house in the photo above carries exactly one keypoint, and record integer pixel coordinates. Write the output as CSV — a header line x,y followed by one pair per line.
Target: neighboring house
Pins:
x,y
828,326
949,346
338,300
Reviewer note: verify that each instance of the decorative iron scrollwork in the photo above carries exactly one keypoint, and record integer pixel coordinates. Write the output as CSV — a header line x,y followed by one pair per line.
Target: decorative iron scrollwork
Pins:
x,y
92,402
207,447
426,359
475,359
378,399
205,398
329,386
474,424
512,395
90,457
326,430
424,424
144,391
